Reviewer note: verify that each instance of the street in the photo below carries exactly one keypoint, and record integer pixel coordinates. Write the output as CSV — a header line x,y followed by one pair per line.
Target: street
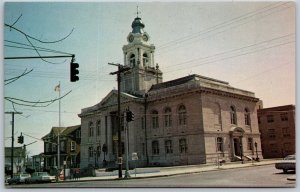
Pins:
x,y
260,176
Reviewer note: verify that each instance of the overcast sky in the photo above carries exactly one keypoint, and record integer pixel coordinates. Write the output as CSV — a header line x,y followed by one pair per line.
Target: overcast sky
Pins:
x,y
250,45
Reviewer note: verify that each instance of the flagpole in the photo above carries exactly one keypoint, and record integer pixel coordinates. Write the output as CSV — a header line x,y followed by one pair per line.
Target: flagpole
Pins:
x,y
59,124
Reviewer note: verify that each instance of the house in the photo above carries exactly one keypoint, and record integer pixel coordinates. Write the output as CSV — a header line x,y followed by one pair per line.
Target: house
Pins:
x,y
69,139
19,159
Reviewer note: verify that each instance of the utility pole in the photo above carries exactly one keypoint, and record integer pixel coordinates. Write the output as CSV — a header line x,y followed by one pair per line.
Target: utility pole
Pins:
x,y
121,69
12,141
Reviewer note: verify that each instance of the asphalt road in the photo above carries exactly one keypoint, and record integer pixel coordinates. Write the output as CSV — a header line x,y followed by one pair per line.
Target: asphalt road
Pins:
x,y
260,176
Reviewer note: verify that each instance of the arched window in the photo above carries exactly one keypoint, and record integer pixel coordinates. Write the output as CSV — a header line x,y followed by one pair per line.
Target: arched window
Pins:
x,y
168,146
132,60
91,129
155,148
182,115
98,130
168,117
155,119
232,115
145,59
247,117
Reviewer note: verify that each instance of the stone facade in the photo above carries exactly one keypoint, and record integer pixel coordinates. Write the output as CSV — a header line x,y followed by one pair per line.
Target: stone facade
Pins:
x,y
277,127
189,120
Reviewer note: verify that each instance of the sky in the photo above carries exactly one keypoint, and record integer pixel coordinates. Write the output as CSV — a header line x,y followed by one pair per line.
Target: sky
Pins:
x,y
251,45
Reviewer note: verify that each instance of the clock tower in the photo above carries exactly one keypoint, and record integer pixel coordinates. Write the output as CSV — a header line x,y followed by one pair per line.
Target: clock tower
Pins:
x,y
139,56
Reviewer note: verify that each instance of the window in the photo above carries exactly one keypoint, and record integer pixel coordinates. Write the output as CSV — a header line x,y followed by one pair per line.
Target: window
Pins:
x,y
232,115
250,144
247,117
132,60
145,59
182,115
47,147
284,117
271,133
168,117
73,146
258,118
155,148
54,147
285,132
62,146
270,118
182,146
274,148
98,128
220,144
91,129
91,152
168,146
155,120
98,151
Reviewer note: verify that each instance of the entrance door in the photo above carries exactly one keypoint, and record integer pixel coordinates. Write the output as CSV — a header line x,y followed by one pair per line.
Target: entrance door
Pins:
x,y
237,149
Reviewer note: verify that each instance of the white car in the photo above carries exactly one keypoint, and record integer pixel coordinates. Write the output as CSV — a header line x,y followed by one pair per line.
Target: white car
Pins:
x,y
40,177
288,163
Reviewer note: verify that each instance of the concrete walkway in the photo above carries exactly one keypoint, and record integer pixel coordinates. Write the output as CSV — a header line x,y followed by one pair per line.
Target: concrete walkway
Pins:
x,y
176,170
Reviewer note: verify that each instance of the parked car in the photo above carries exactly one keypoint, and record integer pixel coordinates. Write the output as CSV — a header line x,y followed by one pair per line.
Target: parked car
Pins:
x,y
288,163
40,177
18,178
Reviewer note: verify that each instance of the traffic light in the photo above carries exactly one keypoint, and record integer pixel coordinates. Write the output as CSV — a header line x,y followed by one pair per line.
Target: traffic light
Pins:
x,y
21,139
129,116
74,72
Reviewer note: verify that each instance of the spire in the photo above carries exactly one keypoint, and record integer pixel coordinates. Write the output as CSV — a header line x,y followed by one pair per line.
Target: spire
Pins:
x,y
137,25
137,11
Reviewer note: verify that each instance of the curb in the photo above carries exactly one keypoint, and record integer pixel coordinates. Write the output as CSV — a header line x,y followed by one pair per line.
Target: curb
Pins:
x,y
174,174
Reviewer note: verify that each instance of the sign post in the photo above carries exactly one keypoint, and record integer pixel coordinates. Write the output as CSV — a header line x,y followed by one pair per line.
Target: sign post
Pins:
x,y
135,158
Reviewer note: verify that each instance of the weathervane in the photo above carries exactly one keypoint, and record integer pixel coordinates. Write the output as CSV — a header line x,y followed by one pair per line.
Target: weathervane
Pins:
x,y
137,11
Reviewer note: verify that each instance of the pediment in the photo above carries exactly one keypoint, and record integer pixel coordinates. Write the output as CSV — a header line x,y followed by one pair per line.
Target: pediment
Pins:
x,y
112,99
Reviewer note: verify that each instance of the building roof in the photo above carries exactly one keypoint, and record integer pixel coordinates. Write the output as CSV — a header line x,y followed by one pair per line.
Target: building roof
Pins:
x,y
137,26
61,130
278,108
184,80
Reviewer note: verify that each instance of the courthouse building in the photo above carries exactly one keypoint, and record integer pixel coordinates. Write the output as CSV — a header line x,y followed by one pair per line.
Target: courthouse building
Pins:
x,y
188,120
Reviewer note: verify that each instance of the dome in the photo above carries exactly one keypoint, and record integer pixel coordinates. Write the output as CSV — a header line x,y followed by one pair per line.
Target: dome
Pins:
x,y
137,26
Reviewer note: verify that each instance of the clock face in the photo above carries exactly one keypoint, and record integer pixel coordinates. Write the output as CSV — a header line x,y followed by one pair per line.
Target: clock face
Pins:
x,y
145,38
130,38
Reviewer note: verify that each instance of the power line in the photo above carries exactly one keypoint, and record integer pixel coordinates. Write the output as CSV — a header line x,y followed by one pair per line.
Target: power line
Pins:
x,y
230,57
233,50
209,30
38,48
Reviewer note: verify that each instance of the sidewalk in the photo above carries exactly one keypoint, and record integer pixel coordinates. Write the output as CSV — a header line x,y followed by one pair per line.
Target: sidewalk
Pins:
x,y
175,170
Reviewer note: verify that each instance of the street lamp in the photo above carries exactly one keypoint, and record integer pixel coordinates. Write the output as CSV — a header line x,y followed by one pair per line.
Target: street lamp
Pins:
x,y
255,144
